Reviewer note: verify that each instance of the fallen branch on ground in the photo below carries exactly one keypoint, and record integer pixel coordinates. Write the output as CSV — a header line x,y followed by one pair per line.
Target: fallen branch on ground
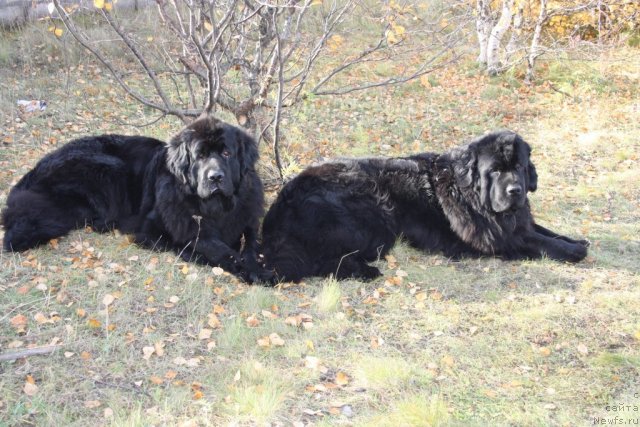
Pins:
x,y
35,351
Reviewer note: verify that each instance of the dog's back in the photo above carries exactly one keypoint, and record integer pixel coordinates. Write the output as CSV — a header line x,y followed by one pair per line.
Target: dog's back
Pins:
x,y
92,180
336,216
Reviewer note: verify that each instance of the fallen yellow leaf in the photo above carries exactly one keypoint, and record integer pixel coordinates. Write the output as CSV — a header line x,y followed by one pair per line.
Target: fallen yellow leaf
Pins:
x,y
92,404
159,348
205,334
41,318
269,315
582,349
276,340
213,321
156,380
252,321
342,378
108,299
147,352
19,322
447,360
30,389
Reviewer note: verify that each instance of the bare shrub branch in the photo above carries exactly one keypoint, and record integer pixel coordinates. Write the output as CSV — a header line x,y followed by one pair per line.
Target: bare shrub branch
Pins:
x,y
254,58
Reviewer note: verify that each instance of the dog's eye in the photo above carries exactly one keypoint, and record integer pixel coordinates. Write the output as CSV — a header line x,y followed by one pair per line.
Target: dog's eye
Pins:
x,y
226,153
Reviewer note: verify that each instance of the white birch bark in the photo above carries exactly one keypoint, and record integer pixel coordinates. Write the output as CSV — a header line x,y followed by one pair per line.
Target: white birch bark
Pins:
x,y
483,27
515,43
495,38
534,50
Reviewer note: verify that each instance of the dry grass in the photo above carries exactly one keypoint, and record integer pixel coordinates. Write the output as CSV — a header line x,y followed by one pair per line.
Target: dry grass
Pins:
x,y
476,342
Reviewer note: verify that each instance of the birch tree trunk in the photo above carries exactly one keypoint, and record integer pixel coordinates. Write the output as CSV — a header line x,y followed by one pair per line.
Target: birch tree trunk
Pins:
x,y
483,27
515,42
534,51
495,38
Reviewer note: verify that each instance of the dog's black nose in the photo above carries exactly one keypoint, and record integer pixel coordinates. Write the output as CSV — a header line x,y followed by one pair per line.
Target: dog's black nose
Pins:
x,y
514,189
215,176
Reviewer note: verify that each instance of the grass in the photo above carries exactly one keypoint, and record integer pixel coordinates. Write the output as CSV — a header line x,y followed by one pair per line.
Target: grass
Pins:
x,y
414,411
433,342
329,296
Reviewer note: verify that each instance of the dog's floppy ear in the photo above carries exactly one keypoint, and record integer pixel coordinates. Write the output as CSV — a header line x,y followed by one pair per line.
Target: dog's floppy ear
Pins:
x,y
247,151
178,155
532,176
464,164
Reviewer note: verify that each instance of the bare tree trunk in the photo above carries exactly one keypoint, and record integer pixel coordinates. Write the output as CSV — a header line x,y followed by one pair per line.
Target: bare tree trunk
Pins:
x,y
495,39
534,51
515,42
483,27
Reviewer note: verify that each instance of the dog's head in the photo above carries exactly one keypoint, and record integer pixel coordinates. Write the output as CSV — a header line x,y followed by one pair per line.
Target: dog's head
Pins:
x,y
498,169
211,157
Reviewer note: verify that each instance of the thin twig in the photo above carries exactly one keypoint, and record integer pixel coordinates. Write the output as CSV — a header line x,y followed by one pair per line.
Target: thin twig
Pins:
x,y
424,69
141,125
560,91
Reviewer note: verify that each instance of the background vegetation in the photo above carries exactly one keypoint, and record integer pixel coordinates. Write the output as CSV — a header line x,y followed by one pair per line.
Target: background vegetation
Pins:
x,y
141,338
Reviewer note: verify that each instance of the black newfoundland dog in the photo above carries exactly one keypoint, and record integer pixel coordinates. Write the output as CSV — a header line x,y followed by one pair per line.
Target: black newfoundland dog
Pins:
x,y
336,217
199,194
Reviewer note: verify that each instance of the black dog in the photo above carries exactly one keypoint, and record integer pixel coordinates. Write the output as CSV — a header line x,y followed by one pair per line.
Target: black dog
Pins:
x,y
199,195
336,217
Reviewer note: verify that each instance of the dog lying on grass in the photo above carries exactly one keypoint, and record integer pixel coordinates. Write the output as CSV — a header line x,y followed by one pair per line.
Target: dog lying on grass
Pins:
x,y
336,217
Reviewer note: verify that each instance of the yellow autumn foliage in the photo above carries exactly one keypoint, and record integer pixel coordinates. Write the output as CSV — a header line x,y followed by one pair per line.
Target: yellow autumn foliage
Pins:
x,y
568,18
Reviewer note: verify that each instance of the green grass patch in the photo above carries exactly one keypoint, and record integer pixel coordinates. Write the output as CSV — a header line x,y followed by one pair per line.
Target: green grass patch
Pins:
x,y
387,372
414,411
618,360
328,298
256,393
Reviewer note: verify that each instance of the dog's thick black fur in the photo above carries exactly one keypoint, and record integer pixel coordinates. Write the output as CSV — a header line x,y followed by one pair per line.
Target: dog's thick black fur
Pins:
x,y
199,194
336,217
